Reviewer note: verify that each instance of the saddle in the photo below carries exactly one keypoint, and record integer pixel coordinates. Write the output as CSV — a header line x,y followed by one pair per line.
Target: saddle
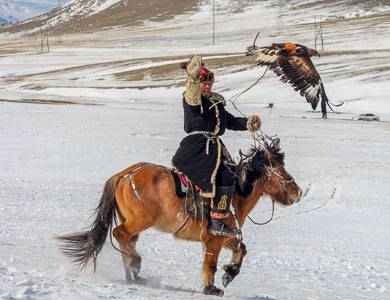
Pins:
x,y
195,205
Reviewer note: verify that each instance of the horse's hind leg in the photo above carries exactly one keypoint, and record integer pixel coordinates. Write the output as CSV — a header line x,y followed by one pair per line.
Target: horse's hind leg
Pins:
x,y
131,258
233,269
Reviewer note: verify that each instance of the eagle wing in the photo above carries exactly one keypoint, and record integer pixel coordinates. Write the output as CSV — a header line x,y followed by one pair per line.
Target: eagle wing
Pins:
x,y
299,71
265,56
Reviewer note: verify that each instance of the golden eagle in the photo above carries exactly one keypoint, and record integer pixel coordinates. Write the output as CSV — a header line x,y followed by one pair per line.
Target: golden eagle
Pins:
x,y
292,62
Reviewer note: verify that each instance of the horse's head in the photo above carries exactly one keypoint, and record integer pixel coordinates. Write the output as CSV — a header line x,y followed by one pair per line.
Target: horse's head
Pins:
x,y
266,169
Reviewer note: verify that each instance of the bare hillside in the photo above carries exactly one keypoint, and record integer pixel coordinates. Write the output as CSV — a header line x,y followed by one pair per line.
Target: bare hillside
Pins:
x,y
83,16
95,15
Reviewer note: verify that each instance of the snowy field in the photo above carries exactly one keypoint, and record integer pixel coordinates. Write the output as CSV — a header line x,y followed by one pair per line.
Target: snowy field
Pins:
x,y
68,122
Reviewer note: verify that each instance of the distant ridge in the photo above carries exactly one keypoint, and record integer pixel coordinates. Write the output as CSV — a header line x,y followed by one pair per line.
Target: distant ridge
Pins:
x,y
8,19
19,10
94,15
86,16
3,21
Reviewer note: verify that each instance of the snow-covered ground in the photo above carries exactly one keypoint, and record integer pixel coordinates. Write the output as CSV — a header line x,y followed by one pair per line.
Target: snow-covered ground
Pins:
x,y
68,123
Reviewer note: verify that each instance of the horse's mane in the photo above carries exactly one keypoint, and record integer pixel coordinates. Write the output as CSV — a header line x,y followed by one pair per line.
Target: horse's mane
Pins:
x,y
253,165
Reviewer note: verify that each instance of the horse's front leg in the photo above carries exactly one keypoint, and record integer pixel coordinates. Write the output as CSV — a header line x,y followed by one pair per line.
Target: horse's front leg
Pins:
x,y
233,269
212,248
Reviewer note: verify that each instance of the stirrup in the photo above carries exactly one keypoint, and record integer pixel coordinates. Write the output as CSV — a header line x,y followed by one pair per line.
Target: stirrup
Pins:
x,y
224,230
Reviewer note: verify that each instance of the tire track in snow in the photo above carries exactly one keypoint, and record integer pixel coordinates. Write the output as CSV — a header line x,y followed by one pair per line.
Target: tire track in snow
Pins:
x,y
310,190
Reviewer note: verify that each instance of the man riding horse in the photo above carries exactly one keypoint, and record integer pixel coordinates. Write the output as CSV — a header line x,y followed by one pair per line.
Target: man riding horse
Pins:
x,y
202,156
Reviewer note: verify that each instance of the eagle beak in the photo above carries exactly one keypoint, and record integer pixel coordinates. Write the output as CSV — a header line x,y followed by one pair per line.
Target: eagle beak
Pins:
x,y
318,54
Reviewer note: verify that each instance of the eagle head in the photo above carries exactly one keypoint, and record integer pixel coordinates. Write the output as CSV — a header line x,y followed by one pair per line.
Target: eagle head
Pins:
x,y
290,47
313,52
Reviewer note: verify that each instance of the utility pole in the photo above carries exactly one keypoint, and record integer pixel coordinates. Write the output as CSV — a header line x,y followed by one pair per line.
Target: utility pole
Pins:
x,y
59,22
45,36
213,22
270,106
280,18
318,31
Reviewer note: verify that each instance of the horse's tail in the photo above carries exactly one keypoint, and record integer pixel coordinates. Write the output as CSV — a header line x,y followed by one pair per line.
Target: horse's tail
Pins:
x,y
83,246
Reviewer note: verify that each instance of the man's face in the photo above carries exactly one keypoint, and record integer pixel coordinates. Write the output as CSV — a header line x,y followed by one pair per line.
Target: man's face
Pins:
x,y
206,86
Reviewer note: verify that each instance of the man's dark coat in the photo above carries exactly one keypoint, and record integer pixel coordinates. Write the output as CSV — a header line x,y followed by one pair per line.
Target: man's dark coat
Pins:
x,y
200,153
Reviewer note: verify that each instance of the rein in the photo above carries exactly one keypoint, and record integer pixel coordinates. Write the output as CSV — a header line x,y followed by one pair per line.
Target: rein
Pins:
x,y
283,182
272,216
235,97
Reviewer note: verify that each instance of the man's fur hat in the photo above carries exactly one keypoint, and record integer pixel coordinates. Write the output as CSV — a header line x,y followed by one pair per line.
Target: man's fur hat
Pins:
x,y
206,75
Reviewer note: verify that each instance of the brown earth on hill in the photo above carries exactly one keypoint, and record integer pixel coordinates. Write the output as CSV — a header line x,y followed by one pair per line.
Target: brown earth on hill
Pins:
x,y
128,13
124,13
364,4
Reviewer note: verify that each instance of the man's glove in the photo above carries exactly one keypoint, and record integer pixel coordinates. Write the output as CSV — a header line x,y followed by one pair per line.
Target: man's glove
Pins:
x,y
193,93
253,123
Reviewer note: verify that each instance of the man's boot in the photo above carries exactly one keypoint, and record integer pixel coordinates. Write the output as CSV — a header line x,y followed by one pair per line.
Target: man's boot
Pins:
x,y
220,211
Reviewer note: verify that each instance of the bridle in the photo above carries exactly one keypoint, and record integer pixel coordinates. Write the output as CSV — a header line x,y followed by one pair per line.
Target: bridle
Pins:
x,y
271,171
283,181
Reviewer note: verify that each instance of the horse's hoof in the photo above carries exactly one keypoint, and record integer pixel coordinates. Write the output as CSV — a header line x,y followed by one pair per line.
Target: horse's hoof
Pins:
x,y
140,281
136,280
226,279
231,271
212,290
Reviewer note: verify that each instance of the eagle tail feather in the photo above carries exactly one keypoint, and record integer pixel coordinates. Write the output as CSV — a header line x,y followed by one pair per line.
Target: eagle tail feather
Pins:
x,y
313,104
313,101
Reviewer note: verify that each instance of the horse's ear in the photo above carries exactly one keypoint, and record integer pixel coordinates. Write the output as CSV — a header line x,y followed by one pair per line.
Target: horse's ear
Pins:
x,y
276,143
267,150
241,156
242,177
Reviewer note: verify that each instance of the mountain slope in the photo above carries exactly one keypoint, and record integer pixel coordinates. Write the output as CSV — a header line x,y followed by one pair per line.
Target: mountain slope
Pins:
x,y
92,15
11,11
78,16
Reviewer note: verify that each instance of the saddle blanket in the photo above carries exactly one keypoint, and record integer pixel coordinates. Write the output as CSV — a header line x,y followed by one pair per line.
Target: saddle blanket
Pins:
x,y
195,205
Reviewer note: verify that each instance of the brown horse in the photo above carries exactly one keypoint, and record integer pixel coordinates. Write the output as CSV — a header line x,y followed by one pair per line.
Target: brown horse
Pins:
x,y
144,196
